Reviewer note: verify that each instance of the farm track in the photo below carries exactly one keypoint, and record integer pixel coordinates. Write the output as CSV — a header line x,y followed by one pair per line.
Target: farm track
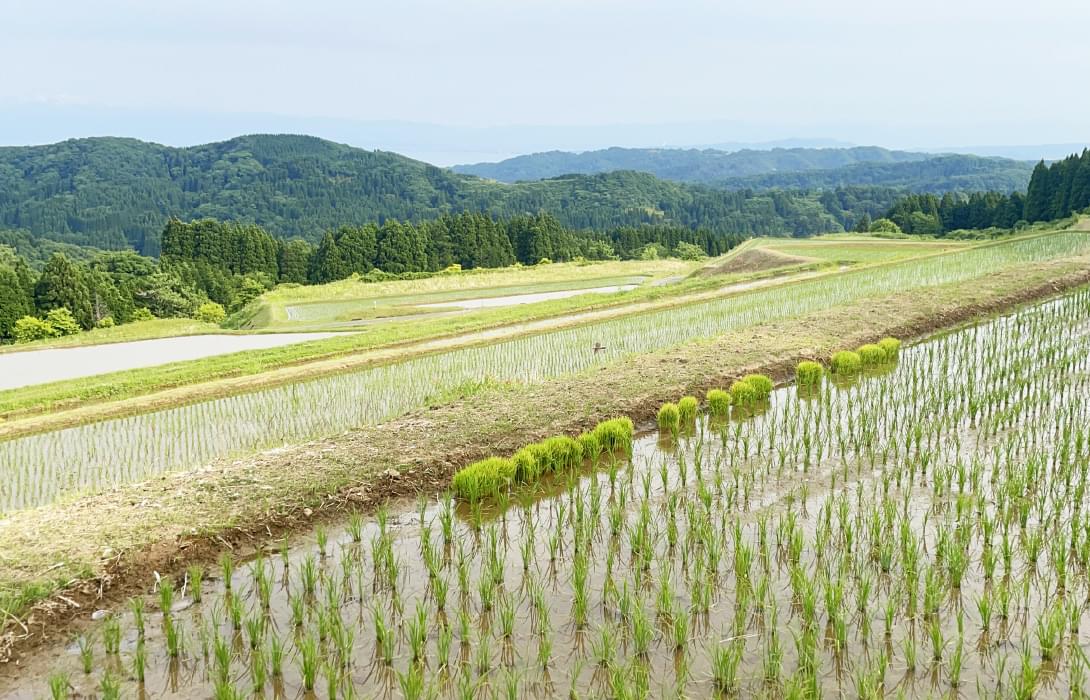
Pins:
x,y
98,550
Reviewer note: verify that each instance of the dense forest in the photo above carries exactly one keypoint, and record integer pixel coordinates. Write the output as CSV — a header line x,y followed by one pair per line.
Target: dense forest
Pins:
x,y
776,169
707,165
209,268
115,194
941,174
1054,192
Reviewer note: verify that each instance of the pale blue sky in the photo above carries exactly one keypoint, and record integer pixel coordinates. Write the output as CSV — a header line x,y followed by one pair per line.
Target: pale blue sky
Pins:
x,y
926,73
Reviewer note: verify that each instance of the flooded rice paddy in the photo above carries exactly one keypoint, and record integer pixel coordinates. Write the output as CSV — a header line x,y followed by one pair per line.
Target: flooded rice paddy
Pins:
x,y
30,367
518,299
918,531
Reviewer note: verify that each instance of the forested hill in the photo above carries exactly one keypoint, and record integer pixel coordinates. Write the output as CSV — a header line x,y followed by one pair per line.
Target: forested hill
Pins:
x,y
938,175
684,165
115,193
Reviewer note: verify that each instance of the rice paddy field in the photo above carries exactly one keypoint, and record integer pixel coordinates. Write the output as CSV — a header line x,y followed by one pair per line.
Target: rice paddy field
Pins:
x,y
858,250
902,521
42,468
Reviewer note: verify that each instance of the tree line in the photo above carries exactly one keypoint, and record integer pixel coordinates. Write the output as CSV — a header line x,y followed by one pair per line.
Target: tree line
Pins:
x,y
209,268
1055,191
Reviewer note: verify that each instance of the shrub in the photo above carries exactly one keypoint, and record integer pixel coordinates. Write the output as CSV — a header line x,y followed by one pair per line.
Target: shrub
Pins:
x,y
743,393
718,402
615,434
484,478
142,314
809,373
210,312
28,329
686,408
544,261
63,322
106,322
891,347
845,362
871,355
669,417
761,384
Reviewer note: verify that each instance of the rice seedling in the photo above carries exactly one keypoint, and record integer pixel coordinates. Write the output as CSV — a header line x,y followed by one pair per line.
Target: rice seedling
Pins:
x,y
58,685
86,648
195,579
808,374
761,384
871,355
845,362
686,409
718,402
669,418
891,348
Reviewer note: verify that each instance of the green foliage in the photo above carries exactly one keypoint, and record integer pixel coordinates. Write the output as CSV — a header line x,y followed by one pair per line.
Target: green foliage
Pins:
x,y
484,479
210,312
884,226
669,417
744,393
688,251
62,285
489,477
809,373
142,314
28,329
845,362
891,347
718,402
686,408
62,321
871,355
15,302
761,384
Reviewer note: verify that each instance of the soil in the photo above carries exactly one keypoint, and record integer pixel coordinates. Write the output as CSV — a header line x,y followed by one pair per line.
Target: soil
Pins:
x,y
754,260
98,550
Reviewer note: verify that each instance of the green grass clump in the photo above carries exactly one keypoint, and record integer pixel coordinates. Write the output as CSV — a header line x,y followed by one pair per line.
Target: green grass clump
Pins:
x,y
718,402
743,393
588,445
891,347
484,479
615,435
686,408
669,417
845,362
809,373
871,355
489,477
761,384
562,453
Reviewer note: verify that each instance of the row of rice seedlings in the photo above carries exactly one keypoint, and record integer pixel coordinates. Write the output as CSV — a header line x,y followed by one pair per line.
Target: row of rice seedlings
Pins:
x,y
891,537
490,477
38,469
744,394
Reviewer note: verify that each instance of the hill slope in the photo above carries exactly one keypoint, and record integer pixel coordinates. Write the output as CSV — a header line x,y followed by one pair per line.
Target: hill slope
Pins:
x,y
114,193
778,168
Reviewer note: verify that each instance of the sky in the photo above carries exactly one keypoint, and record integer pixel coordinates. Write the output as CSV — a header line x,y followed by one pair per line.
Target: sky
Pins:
x,y
482,77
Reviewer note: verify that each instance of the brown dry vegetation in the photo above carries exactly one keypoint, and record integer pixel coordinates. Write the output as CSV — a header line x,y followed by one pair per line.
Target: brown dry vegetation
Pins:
x,y
98,549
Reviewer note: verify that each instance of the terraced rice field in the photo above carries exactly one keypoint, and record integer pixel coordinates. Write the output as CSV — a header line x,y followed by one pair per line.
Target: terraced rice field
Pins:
x,y
914,527
41,468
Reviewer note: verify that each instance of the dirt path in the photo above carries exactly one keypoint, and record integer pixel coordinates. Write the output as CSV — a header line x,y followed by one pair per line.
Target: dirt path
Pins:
x,y
99,549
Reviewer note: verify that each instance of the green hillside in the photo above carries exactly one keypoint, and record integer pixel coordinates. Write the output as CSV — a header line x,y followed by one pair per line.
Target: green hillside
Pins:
x,y
115,193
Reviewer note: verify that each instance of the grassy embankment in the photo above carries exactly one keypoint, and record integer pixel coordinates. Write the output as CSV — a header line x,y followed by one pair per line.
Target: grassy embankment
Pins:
x,y
116,538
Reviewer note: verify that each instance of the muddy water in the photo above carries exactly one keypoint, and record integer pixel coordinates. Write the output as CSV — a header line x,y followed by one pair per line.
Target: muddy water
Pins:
x,y
31,367
784,534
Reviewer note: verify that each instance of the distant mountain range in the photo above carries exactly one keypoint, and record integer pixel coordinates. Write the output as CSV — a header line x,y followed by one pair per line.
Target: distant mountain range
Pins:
x,y
776,168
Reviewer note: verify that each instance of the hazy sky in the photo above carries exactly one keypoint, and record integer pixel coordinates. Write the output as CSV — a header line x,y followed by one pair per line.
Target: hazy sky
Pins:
x,y
927,72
